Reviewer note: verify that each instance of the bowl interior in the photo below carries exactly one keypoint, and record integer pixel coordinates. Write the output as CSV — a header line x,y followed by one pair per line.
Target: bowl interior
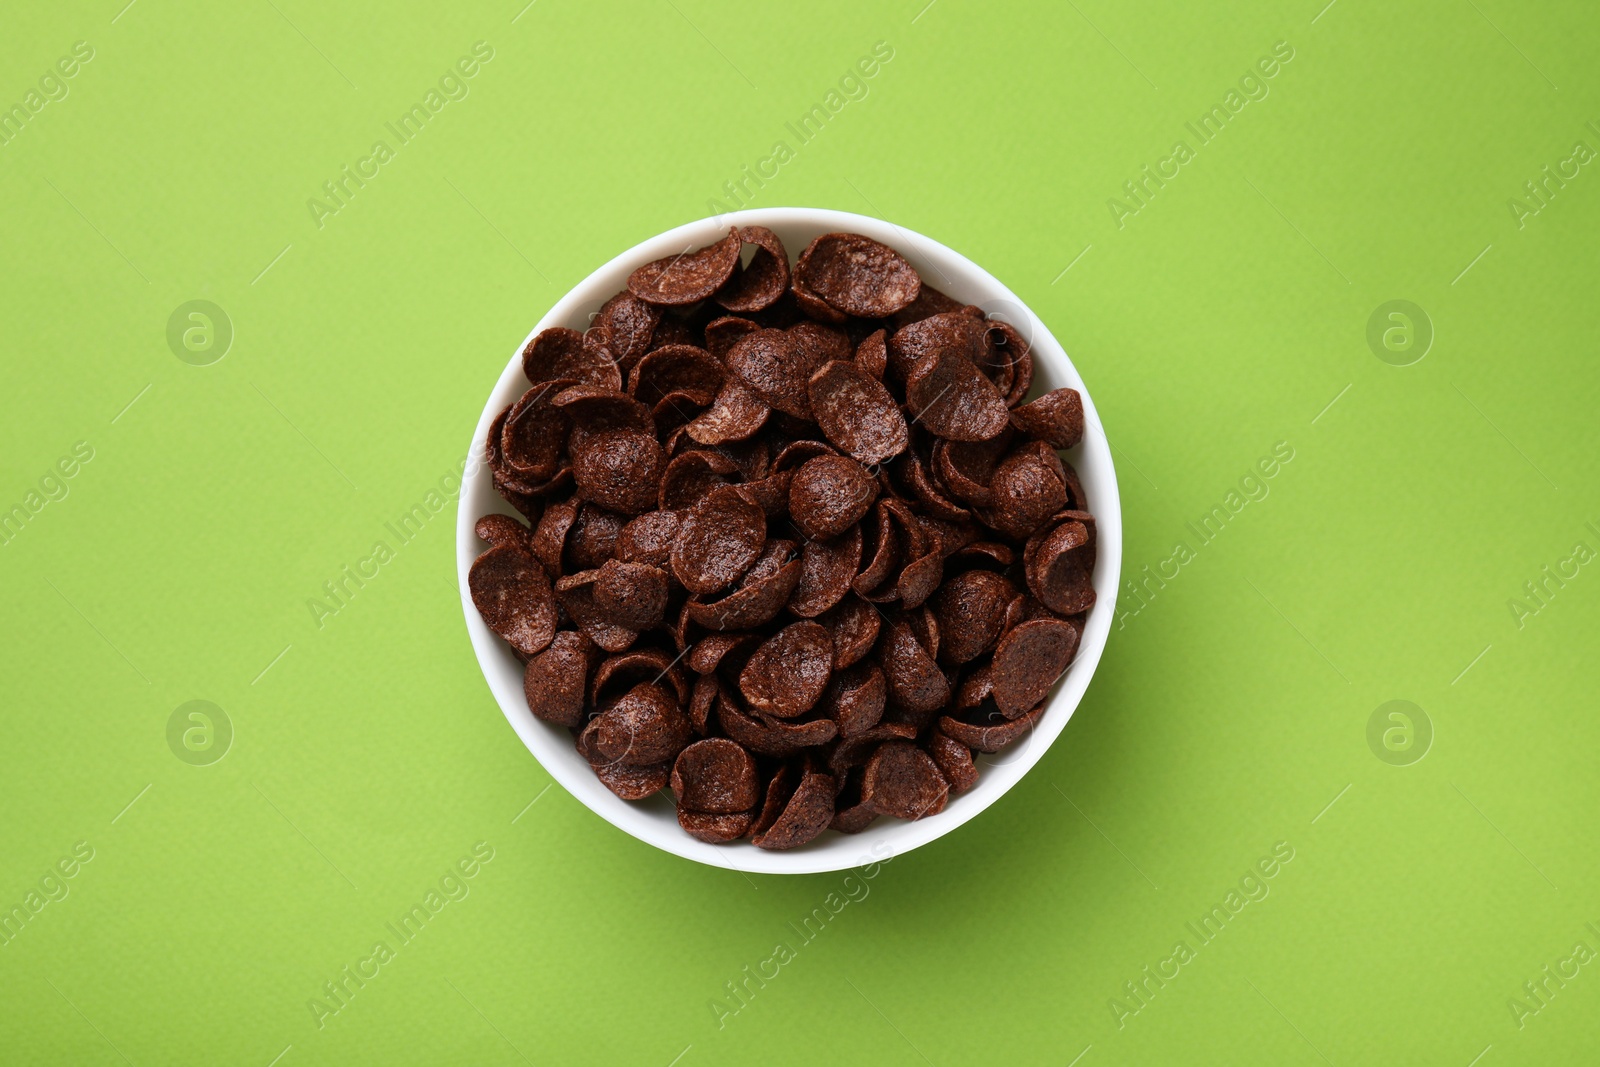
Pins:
x,y
654,820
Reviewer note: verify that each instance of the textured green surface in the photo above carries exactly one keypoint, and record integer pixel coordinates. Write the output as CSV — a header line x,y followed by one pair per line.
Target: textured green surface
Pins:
x,y
1216,318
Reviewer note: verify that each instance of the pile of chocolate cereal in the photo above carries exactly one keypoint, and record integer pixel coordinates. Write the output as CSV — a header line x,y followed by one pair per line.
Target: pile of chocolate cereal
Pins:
x,y
795,545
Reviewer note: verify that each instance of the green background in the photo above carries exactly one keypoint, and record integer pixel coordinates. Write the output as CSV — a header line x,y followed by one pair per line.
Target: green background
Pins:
x,y
1230,712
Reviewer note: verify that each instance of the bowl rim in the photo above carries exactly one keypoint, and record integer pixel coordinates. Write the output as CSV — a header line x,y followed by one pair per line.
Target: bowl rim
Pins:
x,y
552,746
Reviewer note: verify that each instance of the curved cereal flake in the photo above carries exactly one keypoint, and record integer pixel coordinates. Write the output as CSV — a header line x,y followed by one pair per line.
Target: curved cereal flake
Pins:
x,y
949,395
929,302
1059,569
854,625
631,595
772,364
919,579
673,329
991,735
975,689
806,815
872,354
676,370
688,277
985,552
764,279
857,275
702,699
648,538
817,344
903,782
954,761
793,455
498,529
756,602
628,324
736,414
775,737
829,494
850,816
534,435
855,699
881,550
971,610
715,776
1011,350
592,409
925,626
535,490
770,494
576,593
722,334
966,468
788,673
952,537
715,829
512,593
1056,418
710,651
916,685
952,334
562,354
632,783
852,820
550,536
620,470
811,304
1075,497
554,679
593,538
620,673
854,751
645,726
717,541
1027,662
856,412
827,569
690,475
1027,488
932,496
775,797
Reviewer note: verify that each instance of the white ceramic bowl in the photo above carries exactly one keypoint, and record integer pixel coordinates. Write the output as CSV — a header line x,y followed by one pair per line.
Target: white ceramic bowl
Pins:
x,y
654,820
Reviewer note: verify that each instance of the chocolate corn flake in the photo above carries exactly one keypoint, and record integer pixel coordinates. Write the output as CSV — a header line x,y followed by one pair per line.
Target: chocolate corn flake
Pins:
x,y
855,411
806,815
562,354
830,494
645,726
627,323
857,275
759,283
620,470
688,277
827,569
716,776
555,679
502,530
789,672
717,540
903,781
511,592
1028,660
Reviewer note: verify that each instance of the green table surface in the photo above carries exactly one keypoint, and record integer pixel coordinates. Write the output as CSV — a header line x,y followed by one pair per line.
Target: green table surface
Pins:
x,y
1239,851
